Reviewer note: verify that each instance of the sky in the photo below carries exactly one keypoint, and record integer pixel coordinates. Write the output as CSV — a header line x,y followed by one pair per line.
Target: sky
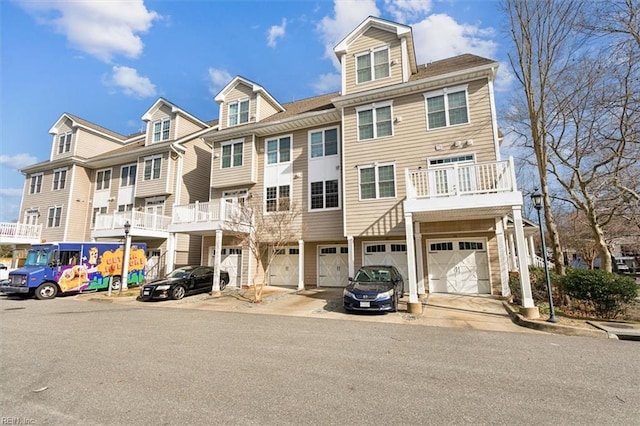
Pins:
x,y
108,61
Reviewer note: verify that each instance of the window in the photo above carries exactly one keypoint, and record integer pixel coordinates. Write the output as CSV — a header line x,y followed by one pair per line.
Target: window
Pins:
x,y
447,107
441,247
128,175
36,184
103,180
64,143
59,179
232,155
53,218
97,210
279,150
238,112
374,122
323,143
125,207
161,130
152,168
324,195
377,182
277,198
376,248
372,65
470,245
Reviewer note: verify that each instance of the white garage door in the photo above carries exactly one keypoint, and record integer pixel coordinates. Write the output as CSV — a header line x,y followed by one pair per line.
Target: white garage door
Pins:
x,y
333,266
230,261
388,253
458,266
283,270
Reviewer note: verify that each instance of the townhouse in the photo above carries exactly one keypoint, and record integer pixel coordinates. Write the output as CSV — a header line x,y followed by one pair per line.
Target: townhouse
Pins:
x,y
401,166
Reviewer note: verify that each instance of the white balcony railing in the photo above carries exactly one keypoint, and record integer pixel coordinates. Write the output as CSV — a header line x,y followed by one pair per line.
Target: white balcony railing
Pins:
x,y
137,220
460,180
206,212
19,231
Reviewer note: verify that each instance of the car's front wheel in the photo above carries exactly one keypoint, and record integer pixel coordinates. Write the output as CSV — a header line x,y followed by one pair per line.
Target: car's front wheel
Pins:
x,y
46,291
178,292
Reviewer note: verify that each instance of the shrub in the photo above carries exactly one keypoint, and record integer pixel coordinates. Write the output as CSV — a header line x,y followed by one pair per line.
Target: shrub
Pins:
x,y
609,293
538,285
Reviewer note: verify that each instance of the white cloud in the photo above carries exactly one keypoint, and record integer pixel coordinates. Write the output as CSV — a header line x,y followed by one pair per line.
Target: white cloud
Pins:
x,y
218,79
404,11
10,192
327,83
100,28
275,32
18,161
439,36
348,14
131,84
505,78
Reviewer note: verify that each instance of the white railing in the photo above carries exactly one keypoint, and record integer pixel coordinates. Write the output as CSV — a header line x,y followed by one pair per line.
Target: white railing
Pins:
x,y
206,211
20,230
459,180
137,220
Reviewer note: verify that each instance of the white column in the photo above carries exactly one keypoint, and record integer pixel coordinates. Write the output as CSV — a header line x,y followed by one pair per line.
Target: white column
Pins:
x,y
170,255
217,259
300,264
124,281
525,284
351,255
503,259
512,253
411,258
419,259
532,251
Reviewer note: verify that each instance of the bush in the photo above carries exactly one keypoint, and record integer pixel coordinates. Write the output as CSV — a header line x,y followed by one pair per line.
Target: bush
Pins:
x,y
538,285
609,293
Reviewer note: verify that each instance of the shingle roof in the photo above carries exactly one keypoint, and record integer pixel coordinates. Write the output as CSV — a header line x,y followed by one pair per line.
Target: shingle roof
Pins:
x,y
446,66
316,103
96,127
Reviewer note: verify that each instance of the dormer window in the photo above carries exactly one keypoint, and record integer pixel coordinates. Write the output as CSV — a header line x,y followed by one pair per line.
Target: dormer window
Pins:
x,y
238,112
372,65
161,130
64,143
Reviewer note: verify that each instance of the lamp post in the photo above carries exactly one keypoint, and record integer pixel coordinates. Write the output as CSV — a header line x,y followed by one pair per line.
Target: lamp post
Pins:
x,y
125,261
536,198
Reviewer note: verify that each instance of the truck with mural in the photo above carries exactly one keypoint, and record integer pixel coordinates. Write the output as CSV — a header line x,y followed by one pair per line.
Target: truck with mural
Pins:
x,y
59,268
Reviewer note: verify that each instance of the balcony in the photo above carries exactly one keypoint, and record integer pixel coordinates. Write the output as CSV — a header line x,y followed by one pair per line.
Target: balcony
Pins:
x,y
142,224
462,191
205,217
20,233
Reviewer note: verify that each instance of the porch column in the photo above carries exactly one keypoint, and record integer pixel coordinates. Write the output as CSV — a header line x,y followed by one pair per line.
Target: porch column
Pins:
x,y
171,254
351,255
528,309
419,259
503,258
512,253
217,258
414,306
532,251
300,264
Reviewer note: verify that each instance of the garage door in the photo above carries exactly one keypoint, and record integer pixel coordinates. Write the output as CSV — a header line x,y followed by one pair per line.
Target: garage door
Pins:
x,y
333,266
230,261
388,253
283,270
458,266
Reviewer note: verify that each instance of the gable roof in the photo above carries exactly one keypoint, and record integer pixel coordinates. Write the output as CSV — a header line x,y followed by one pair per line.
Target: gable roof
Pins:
x,y
220,97
174,109
79,122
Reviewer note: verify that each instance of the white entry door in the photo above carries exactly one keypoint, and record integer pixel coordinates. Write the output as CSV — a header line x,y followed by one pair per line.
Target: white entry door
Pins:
x,y
333,266
230,261
283,270
458,266
388,253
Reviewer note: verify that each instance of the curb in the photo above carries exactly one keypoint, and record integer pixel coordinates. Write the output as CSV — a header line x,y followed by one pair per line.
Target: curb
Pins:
x,y
566,330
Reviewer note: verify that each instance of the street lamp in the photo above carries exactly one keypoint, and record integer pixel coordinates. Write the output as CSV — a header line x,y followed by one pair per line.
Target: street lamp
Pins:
x,y
125,261
536,198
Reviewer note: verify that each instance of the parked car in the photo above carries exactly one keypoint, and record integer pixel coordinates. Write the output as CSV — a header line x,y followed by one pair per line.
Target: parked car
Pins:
x,y
181,282
374,288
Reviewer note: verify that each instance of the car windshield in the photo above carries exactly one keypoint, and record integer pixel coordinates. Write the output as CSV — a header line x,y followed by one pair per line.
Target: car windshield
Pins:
x,y
373,275
37,257
180,273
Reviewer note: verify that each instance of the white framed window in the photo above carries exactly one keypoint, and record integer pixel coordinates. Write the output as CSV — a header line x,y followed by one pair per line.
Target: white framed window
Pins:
x,y
238,112
103,179
374,121
372,65
161,130
125,207
278,150
152,167
324,195
128,175
96,210
323,143
53,217
59,179
377,181
35,186
64,143
445,179
447,107
277,198
231,154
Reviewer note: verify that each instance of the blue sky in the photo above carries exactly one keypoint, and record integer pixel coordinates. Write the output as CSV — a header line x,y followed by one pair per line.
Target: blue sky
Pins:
x,y
108,61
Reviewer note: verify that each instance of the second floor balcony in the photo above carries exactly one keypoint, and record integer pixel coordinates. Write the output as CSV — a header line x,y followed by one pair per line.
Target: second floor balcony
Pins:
x,y
462,191
20,233
205,217
111,225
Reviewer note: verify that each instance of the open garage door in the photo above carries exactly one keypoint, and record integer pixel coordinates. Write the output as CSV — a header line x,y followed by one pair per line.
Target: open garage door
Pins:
x,y
458,266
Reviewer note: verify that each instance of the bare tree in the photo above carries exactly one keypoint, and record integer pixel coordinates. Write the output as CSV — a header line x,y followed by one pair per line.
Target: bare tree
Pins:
x,y
265,229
